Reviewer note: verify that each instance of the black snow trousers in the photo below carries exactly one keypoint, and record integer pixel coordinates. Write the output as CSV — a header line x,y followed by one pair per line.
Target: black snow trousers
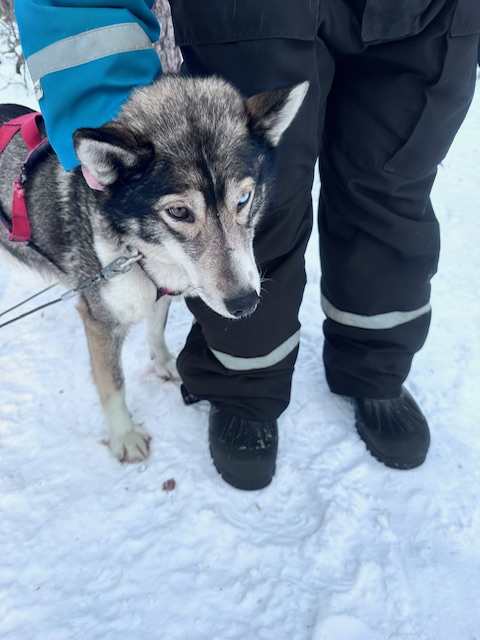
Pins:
x,y
390,84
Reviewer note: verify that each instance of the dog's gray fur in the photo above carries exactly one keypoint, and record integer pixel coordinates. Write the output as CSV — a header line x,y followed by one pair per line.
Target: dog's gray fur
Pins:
x,y
182,175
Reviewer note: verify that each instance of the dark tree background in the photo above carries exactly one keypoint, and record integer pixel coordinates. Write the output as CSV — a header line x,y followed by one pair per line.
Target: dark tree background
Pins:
x,y
169,54
9,42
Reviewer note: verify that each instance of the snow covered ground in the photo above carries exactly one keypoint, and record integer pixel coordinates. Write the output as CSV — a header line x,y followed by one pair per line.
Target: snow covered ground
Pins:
x,y
338,547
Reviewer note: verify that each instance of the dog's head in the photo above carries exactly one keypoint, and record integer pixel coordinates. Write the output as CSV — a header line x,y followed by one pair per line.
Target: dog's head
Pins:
x,y
184,174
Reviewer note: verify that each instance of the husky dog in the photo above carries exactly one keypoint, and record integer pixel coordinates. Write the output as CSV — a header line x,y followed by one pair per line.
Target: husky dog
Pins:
x,y
181,178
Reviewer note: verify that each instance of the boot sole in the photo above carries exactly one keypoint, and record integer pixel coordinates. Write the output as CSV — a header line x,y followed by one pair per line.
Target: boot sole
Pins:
x,y
392,463
245,483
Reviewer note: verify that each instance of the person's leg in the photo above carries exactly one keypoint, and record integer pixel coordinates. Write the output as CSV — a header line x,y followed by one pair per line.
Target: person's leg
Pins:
x,y
392,113
245,368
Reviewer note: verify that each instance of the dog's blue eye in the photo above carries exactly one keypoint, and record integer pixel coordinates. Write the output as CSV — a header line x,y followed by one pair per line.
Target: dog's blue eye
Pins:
x,y
244,199
180,213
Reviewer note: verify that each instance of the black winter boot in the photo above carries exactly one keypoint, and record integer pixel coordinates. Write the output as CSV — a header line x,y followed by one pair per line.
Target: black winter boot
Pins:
x,y
394,429
243,451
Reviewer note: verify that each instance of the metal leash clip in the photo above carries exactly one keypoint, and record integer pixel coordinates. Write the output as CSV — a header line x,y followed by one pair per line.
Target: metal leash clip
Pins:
x,y
120,265
114,268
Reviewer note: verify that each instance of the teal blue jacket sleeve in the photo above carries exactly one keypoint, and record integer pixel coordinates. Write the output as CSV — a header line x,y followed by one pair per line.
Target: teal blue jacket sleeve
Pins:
x,y
85,57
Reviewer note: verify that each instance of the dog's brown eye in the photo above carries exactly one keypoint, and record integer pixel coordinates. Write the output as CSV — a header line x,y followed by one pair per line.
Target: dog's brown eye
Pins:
x,y
180,213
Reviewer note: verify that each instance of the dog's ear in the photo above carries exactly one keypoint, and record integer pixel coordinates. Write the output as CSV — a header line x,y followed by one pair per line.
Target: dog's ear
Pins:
x,y
272,112
110,153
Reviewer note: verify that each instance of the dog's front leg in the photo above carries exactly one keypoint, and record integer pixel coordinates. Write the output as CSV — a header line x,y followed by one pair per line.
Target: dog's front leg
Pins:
x,y
128,442
163,360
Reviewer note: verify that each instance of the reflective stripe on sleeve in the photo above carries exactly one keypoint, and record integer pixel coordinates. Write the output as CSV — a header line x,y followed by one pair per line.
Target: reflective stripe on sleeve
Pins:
x,y
234,363
379,321
86,47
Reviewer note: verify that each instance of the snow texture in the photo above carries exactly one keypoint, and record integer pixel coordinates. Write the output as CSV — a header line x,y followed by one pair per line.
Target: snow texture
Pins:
x,y
339,547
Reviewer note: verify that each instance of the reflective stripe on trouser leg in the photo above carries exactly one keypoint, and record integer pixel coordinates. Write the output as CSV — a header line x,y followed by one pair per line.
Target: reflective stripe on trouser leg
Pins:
x,y
376,322
236,363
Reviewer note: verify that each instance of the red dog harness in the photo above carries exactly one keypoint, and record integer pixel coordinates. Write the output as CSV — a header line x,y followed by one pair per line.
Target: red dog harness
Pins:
x,y
27,125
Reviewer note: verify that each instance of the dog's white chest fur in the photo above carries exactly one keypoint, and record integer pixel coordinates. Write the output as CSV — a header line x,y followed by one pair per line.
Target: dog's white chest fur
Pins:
x,y
129,296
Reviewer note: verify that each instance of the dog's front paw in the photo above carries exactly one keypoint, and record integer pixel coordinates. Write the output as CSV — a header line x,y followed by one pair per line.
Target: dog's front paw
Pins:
x,y
166,369
133,446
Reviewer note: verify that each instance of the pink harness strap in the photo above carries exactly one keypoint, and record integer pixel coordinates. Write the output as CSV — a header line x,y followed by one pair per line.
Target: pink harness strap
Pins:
x,y
27,124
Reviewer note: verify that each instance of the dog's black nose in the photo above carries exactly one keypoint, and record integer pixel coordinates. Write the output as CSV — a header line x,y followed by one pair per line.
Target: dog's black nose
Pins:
x,y
244,305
